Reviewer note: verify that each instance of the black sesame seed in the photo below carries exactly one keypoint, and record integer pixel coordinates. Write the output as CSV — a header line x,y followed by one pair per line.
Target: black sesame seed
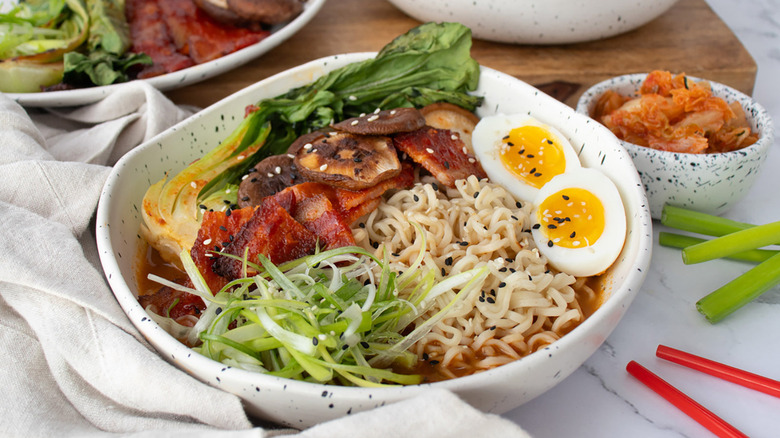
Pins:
x,y
514,217
435,187
537,174
416,198
464,243
434,362
552,226
491,300
573,233
315,341
228,212
492,327
425,356
447,165
375,245
202,207
509,260
222,227
518,204
245,198
510,144
357,160
448,261
530,155
504,269
565,198
344,347
481,299
226,201
532,170
443,272
362,225
364,344
502,284
218,311
550,243
253,180
476,194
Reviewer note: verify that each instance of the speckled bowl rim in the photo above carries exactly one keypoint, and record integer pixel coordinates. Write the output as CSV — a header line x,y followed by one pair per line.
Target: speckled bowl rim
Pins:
x,y
607,315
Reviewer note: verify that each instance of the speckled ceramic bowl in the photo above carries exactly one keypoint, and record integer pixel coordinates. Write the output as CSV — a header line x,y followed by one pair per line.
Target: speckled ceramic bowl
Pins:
x,y
710,183
539,22
301,404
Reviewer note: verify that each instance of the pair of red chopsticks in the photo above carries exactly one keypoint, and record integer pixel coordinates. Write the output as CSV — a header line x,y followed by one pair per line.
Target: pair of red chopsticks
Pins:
x,y
689,406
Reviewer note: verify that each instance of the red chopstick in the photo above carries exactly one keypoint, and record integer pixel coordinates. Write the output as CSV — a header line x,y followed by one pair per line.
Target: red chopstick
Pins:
x,y
725,372
684,403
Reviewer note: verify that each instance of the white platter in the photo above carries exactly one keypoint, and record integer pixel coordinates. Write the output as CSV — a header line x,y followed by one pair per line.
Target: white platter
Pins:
x,y
181,78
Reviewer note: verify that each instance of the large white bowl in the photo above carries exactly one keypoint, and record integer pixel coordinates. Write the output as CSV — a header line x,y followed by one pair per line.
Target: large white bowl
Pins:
x,y
539,22
710,183
301,404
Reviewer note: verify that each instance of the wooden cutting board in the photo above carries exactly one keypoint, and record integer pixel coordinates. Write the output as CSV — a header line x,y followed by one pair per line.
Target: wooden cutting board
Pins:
x,y
688,38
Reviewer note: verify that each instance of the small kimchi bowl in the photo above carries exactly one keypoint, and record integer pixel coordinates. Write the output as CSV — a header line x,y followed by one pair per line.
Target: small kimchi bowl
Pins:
x,y
302,404
709,182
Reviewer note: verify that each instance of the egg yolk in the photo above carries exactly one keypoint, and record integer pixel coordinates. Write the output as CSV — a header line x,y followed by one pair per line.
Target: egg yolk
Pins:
x,y
532,154
571,218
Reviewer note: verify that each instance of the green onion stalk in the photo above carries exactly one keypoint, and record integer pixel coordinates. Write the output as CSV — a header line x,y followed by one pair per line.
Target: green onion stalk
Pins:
x,y
334,317
736,240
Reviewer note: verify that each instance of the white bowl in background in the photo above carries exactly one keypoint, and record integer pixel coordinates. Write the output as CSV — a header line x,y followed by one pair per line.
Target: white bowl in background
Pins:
x,y
710,183
539,22
301,404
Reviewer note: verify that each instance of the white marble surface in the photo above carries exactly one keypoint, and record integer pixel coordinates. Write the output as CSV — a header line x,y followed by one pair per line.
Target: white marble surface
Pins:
x,y
601,399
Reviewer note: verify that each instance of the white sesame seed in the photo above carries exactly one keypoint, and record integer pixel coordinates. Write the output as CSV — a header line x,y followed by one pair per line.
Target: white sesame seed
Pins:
x,y
227,191
372,118
353,98
193,185
278,170
392,113
376,111
269,175
429,150
454,137
354,122
323,167
290,156
240,157
207,242
307,146
466,151
472,161
244,177
208,254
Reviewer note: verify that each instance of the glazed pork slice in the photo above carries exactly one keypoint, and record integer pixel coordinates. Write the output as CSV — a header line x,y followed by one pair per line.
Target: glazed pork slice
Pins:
x,y
271,231
150,35
198,35
441,152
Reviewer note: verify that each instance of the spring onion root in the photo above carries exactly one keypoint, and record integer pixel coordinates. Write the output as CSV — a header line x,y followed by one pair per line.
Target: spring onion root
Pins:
x,y
741,290
732,243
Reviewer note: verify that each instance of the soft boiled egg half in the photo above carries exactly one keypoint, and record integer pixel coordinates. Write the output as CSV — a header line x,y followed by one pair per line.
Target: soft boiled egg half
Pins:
x,y
579,222
578,218
521,153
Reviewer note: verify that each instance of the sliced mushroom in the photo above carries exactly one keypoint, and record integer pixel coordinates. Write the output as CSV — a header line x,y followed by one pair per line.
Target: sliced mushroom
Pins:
x,y
266,11
218,10
443,115
268,177
383,122
345,160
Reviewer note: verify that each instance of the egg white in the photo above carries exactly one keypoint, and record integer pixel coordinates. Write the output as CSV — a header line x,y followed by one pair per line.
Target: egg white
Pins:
x,y
488,141
588,258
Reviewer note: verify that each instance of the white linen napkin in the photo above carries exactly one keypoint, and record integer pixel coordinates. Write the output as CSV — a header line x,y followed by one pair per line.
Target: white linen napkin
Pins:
x,y
71,363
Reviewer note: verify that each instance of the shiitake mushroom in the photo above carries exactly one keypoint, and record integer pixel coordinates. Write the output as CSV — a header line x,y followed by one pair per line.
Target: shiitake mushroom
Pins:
x,y
269,176
346,160
383,122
